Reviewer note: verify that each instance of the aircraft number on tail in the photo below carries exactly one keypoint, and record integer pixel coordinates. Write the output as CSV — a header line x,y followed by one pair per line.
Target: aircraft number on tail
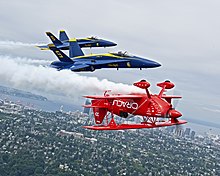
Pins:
x,y
59,54
52,38
125,104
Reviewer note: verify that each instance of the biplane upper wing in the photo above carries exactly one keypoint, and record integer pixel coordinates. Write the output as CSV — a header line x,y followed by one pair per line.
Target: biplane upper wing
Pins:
x,y
171,96
93,106
168,98
114,97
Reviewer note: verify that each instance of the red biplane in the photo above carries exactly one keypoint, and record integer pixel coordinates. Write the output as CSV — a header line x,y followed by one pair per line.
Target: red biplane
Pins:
x,y
151,108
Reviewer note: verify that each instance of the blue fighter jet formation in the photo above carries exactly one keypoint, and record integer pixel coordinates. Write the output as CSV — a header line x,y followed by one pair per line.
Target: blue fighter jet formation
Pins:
x,y
77,61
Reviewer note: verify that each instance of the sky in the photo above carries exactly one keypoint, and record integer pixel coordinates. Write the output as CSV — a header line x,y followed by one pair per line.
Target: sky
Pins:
x,y
183,36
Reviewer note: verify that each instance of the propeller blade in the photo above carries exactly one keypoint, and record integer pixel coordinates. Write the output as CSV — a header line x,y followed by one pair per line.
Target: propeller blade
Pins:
x,y
176,101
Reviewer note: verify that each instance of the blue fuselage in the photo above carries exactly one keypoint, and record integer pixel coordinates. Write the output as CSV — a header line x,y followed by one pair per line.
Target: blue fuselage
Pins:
x,y
106,61
87,43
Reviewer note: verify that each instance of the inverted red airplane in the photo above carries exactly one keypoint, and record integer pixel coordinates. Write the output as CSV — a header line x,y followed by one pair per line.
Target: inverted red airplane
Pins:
x,y
152,108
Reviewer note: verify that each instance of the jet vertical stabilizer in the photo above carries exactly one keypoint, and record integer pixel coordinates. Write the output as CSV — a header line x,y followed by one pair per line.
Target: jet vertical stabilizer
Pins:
x,y
55,41
75,49
63,36
61,56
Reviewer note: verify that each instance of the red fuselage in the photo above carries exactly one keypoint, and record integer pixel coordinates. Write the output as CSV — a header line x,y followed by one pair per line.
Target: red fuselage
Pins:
x,y
154,107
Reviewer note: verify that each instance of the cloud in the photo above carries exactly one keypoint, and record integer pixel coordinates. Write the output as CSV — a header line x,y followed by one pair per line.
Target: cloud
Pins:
x,y
28,74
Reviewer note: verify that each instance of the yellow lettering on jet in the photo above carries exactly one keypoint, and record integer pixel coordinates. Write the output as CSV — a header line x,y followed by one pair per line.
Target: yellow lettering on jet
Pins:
x,y
113,65
59,54
128,64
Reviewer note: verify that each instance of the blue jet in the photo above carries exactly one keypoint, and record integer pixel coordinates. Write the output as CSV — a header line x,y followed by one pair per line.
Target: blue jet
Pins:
x,y
63,42
78,62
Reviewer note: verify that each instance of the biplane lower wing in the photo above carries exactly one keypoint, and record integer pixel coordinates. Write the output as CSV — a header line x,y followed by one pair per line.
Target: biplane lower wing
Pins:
x,y
114,126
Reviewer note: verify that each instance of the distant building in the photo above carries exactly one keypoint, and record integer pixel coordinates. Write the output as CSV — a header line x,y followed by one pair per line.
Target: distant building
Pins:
x,y
1,102
179,132
87,110
187,132
172,128
61,108
192,136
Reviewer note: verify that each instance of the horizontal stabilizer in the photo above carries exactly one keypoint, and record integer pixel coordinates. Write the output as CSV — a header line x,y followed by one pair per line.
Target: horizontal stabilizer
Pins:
x,y
43,47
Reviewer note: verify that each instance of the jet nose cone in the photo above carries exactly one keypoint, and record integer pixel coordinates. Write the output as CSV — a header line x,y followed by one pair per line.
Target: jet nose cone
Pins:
x,y
108,43
155,64
147,63
112,44
151,64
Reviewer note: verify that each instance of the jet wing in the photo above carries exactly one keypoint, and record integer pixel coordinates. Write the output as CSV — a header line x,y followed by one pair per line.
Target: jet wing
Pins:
x,y
102,62
115,97
46,47
79,66
83,65
63,45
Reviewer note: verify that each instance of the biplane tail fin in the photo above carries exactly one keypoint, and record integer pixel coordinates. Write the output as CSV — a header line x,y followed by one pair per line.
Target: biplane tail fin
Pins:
x,y
99,114
99,110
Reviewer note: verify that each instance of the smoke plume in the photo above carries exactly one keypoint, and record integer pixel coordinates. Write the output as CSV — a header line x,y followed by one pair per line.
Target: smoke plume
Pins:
x,y
32,75
12,44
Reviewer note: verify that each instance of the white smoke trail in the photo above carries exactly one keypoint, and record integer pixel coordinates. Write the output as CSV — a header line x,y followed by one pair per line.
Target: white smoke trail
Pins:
x,y
28,61
12,44
21,73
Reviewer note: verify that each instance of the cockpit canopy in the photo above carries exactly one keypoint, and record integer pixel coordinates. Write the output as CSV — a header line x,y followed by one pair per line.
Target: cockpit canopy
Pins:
x,y
122,54
93,38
